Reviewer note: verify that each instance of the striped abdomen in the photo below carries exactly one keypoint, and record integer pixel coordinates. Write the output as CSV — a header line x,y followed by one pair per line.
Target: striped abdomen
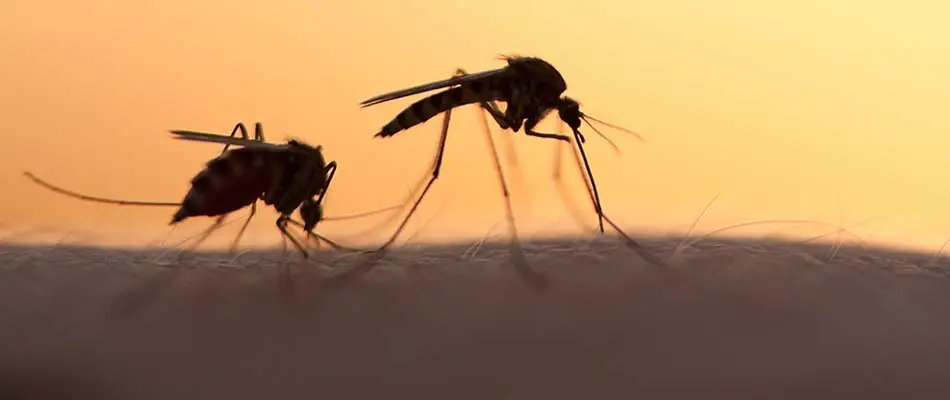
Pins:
x,y
495,88
230,182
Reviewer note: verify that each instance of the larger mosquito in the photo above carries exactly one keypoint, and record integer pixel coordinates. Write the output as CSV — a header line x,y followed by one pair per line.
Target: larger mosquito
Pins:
x,y
532,88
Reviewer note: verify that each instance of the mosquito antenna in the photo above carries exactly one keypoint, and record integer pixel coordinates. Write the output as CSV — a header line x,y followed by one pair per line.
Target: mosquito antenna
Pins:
x,y
79,196
585,117
597,131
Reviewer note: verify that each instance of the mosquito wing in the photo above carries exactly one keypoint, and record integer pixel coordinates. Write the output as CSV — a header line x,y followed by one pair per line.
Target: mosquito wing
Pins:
x,y
456,80
222,139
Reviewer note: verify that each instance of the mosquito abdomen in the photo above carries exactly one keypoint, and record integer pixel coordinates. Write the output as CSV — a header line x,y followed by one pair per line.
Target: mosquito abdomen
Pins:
x,y
228,183
422,110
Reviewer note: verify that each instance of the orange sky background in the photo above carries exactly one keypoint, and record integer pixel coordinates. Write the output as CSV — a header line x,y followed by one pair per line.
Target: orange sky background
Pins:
x,y
806,110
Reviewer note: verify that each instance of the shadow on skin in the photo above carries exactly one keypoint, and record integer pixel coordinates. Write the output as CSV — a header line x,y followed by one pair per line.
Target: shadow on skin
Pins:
x,y
38,384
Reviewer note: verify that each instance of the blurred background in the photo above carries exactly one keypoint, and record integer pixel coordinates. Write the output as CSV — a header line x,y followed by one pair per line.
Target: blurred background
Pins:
x,y
830,111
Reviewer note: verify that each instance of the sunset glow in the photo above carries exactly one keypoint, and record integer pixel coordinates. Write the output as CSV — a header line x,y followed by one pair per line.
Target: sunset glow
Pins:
x,y
832,111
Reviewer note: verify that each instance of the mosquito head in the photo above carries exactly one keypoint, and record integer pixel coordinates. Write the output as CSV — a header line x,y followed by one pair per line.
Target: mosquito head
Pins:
x,y
569,110
311,212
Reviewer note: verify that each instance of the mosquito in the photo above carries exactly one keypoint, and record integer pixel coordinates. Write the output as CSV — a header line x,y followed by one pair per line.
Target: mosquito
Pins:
x,y
290,177
532,88
258,137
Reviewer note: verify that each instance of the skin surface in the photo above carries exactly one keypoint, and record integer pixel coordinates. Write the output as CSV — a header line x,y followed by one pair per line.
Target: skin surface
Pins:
x,y
749,319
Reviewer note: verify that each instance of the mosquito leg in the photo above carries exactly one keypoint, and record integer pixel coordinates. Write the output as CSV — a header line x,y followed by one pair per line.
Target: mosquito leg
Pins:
x,y
559,183
282,226
308,229
591,191
532,132
436,168
379,253
130,303
258,132
207,232
591,185
500,118
504,123
514,246
595,199
492,108
283,246
511,156
258,136
247,222
316,237
285,280
237,128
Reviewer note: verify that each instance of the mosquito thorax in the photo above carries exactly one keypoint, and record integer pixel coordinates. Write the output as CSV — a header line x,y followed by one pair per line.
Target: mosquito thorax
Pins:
x,y
318,149
297,143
